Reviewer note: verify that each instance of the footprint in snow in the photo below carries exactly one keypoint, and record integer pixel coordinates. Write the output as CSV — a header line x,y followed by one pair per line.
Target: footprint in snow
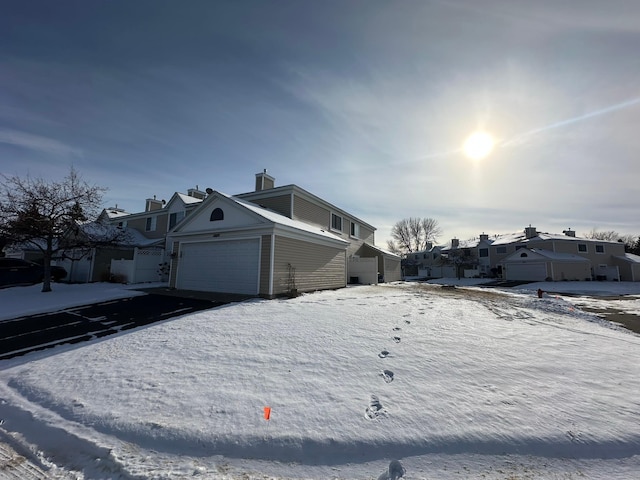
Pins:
x,y
375,409
383,354
393,472
407,322
395,329
387,376
396,339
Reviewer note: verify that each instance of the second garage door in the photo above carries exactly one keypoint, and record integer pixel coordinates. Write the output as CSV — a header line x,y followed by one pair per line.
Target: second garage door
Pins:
x,y
230,266
526,271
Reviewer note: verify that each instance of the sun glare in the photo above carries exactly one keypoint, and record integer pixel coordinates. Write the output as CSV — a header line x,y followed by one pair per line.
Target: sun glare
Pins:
x,y
478,146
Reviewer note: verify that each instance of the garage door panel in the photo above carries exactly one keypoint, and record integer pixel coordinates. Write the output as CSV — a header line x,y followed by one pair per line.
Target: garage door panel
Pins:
x,y
230,266
527,271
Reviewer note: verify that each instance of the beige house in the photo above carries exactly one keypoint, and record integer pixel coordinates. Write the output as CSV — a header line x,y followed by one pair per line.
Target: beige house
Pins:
x,y
266,242
538,265
234,246
563,257
300,205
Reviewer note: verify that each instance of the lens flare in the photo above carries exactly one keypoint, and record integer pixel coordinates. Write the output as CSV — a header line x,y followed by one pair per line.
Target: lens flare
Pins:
x,y
478,145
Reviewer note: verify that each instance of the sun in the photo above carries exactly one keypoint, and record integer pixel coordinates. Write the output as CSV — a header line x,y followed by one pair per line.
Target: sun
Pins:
x,y
478,145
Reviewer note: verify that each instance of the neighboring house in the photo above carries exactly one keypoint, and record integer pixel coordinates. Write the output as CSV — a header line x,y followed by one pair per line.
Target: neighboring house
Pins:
x,y
92,263
95,263
491,257
629,266
538,265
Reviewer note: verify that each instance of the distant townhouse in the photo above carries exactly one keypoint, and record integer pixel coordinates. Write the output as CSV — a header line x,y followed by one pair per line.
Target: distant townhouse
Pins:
x,y
531,256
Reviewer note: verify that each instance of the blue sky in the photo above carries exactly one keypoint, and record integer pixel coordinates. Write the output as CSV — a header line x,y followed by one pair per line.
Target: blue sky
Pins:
x,y
363,103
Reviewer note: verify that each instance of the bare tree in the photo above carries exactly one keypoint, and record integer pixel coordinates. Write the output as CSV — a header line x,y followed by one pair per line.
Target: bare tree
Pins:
x,y
605,235
47,214
413,235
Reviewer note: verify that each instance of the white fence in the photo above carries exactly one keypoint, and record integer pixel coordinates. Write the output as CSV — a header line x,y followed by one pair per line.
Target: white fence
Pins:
x,y
145,267
365,269
446,271
606,273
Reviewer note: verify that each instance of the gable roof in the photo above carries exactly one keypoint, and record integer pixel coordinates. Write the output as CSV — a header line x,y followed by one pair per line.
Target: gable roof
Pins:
x,y
264,214
548,254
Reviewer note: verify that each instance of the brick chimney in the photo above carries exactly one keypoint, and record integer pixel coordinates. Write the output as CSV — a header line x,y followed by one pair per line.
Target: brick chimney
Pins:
x,y
484,236
455,243
569,232
264,181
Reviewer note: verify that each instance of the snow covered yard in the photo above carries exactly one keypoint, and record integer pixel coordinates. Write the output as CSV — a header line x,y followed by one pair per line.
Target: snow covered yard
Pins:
x,y
456,384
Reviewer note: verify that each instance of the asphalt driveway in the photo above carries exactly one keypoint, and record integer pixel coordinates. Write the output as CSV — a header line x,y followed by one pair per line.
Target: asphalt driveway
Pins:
x,y
78,324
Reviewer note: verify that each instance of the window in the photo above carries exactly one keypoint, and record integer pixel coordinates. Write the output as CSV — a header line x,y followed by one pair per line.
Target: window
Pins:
x,y
150,225
501,250
524,254
217,215
599,248
483,252
582,247
355,230
336,222
435,255
175,218
424,255
415,257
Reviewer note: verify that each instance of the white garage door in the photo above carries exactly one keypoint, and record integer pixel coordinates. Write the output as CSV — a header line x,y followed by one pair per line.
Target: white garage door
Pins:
x,y
526,271
226,266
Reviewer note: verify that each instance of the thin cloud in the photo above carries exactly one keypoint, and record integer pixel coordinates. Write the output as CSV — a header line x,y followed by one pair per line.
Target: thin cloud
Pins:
x,y
38,143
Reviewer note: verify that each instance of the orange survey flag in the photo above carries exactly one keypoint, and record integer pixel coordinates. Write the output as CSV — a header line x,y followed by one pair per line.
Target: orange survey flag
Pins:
x,y
267,413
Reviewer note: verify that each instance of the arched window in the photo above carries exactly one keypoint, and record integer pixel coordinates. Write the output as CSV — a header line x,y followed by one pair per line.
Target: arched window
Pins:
x,y
216,215
524,255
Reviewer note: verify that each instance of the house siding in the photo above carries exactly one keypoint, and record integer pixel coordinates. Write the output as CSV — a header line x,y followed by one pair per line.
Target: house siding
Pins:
x,y
265,265
280,204
570,271
316,268
392,270
305,211
140,224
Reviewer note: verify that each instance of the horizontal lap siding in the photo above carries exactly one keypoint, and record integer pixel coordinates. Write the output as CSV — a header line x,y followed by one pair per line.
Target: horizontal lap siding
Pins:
x,y
306,211
280,204
265,265
317,267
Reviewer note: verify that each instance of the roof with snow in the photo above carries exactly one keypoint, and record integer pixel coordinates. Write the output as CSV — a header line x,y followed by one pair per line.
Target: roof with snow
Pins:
x,y
187,199
629,257
566,257
281,219
115,212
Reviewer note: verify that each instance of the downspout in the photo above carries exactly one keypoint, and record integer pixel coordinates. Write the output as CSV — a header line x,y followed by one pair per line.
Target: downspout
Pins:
x,y
272,255
553,275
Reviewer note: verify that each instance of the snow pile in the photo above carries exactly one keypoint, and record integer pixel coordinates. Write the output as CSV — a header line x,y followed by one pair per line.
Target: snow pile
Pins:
x,y
355,378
